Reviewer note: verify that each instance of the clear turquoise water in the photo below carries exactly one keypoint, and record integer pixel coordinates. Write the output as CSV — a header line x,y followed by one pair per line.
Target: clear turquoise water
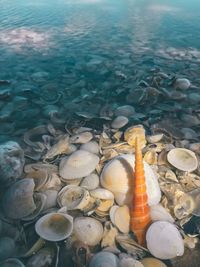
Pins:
x,y
79,45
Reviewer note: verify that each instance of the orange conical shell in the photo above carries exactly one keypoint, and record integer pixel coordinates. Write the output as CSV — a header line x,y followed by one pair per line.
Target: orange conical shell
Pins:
x,y
140,212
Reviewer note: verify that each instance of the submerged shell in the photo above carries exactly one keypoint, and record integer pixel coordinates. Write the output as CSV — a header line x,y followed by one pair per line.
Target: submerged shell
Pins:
x,y
164,240
104,259
117,176
79,164
12,262
54,226
183,159
133,132
182,83
90,182
18,200
88,230
119,122
125,110
91,147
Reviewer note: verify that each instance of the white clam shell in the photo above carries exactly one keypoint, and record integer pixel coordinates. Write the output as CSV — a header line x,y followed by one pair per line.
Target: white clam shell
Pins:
x,y
88,230
104,259
122,219
164,240
119,122
159,213
91,146
183,159
90,182
117,176
79,164
54,226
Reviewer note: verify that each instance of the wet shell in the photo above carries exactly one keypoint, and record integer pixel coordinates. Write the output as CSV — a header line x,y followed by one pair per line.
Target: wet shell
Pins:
x,y
183,159
91,147
54,226
133,132
117,176
159,213
79,164
126,111
81,138
119,122
90,182
104,259
73,197
152,262
88,230
18,200
12,262
122,219
164,240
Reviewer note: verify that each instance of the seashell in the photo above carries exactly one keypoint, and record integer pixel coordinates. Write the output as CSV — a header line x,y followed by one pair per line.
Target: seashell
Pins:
x,y
122,219
54,226
40,177
79,164
90,182
117,176
44,257
106,197
164,240
195,195
11,162
91,147
182,83
119,122
195,147
125,111
73,197
88,230
31,135
159,213
128,261
183,205
12,262
140,211
51,199
152,262
104,259
81,138
112,213
154,138
109,235
18,200
151,157
7,248
182,159
133,132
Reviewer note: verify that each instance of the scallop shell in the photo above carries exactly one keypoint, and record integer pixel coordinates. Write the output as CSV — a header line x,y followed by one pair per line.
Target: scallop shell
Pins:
x,y
88,230
90,182
73,197
119,122
152,262
104,259
91,147
79,164
117,176
18,200
133,132
159,213
164,240
54,226
183,159
12,262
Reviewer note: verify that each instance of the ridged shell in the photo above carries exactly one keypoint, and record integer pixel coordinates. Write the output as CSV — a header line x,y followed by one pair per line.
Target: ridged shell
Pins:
x,y
88,230
79,164
54,226
117,176
164,240
104,259
91,147
18,200
183,159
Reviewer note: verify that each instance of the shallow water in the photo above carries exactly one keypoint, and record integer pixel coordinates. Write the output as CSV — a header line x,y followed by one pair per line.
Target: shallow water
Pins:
x,y
81,54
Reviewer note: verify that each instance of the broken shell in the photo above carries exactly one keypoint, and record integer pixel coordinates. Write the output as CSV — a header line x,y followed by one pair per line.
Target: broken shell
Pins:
x,y
133,132
159,213
39,175
182,159
54,226
73,197
117,176
88,230
79,164
104,259
90,182
12,262
154,138
18,200
81,138
91,147
125,110
119,122
164,240
7,248
152,262
122,219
